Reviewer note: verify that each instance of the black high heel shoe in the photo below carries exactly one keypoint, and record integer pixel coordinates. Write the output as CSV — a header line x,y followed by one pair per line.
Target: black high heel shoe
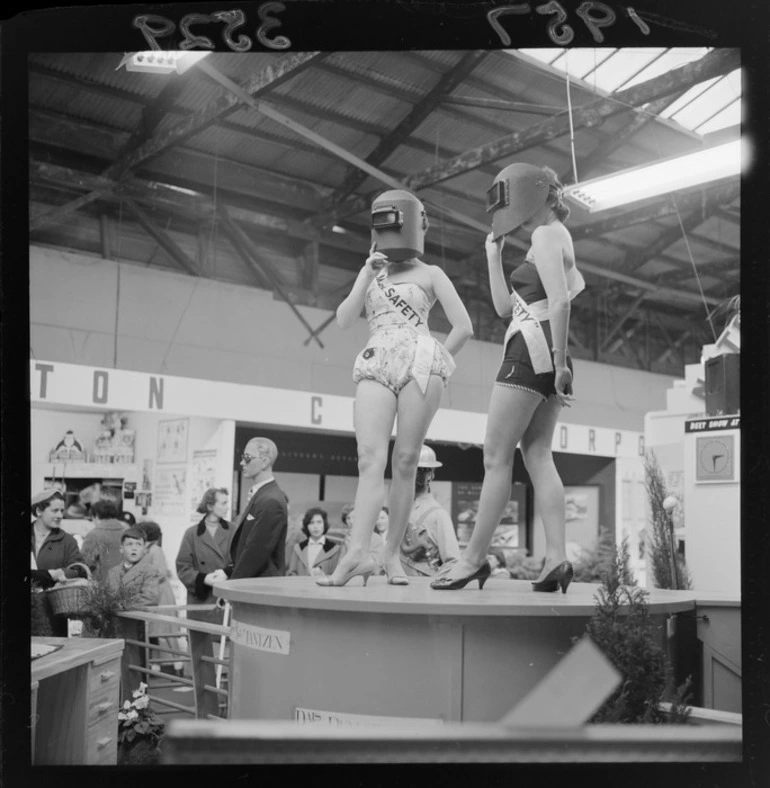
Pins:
x,y
448,584
559,576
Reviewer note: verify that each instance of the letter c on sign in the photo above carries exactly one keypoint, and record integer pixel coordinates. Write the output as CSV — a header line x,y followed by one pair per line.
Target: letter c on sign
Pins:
x,y
315,410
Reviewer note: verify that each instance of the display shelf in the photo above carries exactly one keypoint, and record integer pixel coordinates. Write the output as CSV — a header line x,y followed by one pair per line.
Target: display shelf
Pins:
x,y
87,470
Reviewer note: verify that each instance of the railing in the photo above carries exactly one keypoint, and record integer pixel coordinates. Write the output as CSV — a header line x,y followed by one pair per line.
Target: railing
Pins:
x,y
210,699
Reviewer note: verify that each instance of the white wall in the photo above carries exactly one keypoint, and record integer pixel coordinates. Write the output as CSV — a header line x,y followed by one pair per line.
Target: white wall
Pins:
x,y
181,325
48,425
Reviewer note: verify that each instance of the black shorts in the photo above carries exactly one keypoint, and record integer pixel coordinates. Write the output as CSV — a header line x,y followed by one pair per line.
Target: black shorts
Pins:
x,y
516,370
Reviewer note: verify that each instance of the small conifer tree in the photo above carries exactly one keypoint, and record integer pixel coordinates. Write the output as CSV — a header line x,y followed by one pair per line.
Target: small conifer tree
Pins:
x,y
621,626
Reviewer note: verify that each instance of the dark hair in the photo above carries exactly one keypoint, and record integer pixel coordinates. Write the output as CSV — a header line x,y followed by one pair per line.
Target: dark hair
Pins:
x,y
422,478
309,515
556,195
133,533
346,510
151,530
127,517
105,509
210,498
39,508
385,509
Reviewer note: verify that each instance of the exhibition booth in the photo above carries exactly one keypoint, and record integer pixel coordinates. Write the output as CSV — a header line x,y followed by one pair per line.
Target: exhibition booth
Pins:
x,y
159,441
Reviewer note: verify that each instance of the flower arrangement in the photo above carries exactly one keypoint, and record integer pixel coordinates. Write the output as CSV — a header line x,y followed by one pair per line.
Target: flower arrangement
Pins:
x,y
138,724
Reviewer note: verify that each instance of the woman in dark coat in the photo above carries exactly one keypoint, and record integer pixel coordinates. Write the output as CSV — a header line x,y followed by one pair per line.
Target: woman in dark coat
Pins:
x,y
315,554
205,548
53,551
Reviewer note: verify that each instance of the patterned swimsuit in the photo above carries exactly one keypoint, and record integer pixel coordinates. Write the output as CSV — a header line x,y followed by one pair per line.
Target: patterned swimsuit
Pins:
x,y
400,347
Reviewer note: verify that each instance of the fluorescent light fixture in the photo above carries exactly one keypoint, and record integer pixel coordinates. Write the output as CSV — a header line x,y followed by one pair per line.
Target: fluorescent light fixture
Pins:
x,y
662,177
161,62
337,229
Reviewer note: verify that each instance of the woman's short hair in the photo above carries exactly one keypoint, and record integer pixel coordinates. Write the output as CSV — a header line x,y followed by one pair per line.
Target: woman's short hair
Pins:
x,y
151,529
310,514
105,509
346,510
127,517
556,195
210,498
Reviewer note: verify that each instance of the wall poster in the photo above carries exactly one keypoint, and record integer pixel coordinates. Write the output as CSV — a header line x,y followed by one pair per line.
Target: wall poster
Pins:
x,y
202,478
169,495
512,531
172,440
582,515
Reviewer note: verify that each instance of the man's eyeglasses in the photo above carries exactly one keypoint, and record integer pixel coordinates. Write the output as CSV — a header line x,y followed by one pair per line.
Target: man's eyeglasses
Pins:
x,y
247,458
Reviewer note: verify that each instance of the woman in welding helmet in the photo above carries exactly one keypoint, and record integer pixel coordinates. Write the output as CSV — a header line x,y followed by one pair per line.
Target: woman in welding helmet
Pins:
x,y
535,377
401,373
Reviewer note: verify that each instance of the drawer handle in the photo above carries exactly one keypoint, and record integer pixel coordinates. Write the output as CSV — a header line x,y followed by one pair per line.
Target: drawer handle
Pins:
x,y
102,707
106,675
103,742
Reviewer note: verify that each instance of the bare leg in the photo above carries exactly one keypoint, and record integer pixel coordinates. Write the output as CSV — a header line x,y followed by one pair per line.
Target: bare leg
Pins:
x,y
373,415
415,413
549,490
510,411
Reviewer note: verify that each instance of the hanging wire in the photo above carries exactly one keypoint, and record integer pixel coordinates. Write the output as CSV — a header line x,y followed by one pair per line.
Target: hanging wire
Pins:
x,y
686,239
198,278
441,197
571,126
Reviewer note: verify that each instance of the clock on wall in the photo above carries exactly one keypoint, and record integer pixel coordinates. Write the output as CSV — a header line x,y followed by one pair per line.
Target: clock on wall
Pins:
x,y
715,458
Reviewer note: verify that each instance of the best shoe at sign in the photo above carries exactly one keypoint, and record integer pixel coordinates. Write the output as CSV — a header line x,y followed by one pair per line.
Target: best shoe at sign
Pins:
x,y
80,386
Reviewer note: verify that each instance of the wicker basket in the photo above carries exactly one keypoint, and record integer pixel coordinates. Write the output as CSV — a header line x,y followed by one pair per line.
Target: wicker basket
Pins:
x,y
70,597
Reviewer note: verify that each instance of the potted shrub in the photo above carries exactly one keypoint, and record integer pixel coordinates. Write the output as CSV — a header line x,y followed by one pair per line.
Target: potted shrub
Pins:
x,y
622,628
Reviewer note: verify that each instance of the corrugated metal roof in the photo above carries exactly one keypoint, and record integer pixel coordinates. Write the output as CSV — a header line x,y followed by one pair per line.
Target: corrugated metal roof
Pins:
x,y
702,109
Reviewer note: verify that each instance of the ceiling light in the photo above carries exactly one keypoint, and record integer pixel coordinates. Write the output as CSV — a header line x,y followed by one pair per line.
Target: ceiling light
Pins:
x,y
662,177
161,62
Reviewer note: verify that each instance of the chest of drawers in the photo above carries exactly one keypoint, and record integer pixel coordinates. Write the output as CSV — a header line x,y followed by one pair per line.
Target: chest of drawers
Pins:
x,y
75,702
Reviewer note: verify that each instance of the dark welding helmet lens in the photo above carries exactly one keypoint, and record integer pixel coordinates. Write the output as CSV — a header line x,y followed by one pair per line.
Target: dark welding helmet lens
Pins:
x,y
497,196
387,217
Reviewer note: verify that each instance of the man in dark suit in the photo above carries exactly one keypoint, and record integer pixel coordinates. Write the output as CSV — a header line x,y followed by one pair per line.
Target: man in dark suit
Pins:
x,y
259,542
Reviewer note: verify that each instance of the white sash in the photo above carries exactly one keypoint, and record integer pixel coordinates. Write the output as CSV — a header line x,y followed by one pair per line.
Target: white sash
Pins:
x,y
426,344
526,318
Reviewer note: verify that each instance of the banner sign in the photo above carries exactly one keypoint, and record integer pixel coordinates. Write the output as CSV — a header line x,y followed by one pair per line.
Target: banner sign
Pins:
x,y
260,639
124,390
340,719
713,423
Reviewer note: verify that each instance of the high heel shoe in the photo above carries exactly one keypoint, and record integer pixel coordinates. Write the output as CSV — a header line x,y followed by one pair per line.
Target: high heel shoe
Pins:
x,y
559,576
365,570
397,578
450,584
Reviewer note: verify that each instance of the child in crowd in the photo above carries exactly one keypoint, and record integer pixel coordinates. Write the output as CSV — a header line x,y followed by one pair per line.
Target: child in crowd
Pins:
x,y
140,577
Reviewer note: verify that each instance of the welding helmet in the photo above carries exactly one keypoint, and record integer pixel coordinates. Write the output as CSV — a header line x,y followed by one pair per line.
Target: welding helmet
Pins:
x,y
518,192
399,223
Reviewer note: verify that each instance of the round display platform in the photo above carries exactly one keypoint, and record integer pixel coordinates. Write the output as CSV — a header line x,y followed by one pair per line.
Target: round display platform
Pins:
x,y
380,653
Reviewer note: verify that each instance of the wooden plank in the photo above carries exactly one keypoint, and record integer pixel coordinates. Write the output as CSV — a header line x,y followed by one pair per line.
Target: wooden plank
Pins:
x,y
276,741
559,700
